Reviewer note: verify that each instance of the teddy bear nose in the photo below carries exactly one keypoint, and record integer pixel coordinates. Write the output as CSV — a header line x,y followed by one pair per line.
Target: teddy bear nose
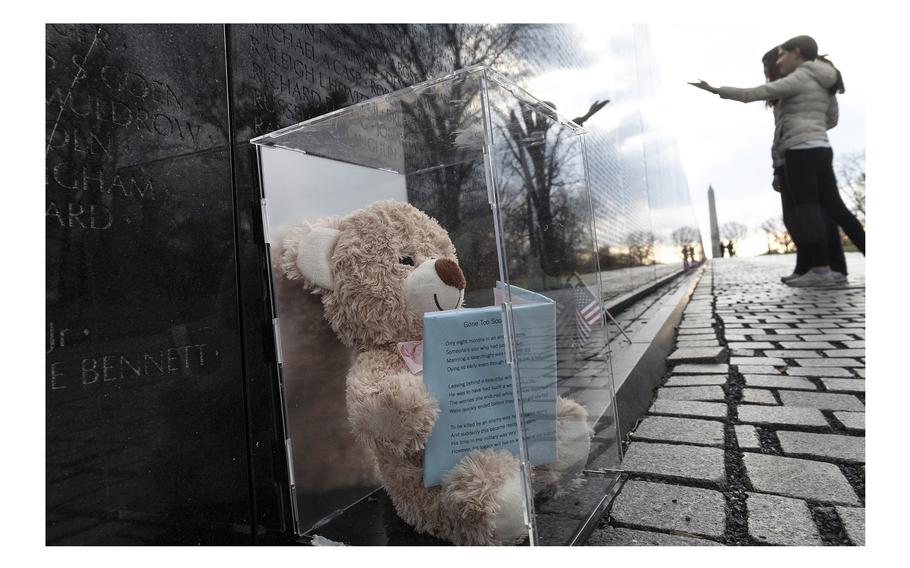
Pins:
x,y
449,272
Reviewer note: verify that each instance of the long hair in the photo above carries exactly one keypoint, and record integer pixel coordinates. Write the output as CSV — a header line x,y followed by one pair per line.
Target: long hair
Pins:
x,y
772,71
808,48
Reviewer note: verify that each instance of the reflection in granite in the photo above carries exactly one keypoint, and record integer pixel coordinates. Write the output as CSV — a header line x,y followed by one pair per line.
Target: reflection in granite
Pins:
x,y
145,429
164,421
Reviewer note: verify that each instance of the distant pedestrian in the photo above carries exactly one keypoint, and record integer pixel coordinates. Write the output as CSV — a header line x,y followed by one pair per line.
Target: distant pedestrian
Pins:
x,y
730,248
803,93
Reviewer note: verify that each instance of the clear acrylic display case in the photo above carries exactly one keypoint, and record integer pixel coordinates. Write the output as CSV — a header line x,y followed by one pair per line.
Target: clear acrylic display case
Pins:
x,y
506,177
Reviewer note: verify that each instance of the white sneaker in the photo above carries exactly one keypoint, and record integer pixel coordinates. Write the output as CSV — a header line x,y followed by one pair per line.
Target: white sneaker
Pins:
x,y
815,280
839,277
789,277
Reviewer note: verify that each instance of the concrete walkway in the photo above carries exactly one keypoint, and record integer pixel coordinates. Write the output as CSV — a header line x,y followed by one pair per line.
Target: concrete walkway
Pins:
x,y
757,435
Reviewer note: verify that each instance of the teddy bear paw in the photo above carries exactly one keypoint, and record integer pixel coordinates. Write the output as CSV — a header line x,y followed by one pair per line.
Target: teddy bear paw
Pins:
x,y
509,523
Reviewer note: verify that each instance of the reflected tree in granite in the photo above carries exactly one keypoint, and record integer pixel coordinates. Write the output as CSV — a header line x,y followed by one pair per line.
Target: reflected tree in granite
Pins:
x,y
544,208
641,247
420,53
441,142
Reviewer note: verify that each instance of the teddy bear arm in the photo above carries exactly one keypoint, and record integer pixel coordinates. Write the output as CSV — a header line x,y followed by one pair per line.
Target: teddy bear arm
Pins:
x,y
390,411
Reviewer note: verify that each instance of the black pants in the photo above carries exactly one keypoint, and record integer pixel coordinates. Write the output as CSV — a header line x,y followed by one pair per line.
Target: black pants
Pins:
x,y
832,235
811,181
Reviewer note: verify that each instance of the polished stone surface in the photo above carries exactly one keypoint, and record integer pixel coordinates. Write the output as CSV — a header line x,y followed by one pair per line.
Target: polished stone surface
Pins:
x,y
144,393
164,421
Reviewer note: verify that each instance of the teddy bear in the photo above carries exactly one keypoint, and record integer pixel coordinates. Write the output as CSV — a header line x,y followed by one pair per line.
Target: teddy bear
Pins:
x,y
378,271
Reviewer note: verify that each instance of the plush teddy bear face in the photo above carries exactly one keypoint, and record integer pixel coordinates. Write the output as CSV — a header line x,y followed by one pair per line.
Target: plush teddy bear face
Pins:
x,y
379,270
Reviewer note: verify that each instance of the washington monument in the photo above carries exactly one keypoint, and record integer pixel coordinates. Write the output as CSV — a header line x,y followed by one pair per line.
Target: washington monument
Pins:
x,y
715,231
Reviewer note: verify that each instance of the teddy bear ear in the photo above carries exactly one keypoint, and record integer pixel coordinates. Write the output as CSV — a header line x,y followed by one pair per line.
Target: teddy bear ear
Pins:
x,y
307,254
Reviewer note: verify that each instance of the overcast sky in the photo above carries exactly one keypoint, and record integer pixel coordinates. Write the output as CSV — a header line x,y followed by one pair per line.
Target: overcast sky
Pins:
x,y
722,143
727,144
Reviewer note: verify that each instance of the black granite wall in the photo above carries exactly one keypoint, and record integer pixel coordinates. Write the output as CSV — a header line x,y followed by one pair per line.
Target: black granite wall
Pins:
x,y
146,428
164,423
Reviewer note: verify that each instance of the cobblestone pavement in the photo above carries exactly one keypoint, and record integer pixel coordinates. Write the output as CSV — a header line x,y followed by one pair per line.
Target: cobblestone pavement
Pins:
x,y
757,435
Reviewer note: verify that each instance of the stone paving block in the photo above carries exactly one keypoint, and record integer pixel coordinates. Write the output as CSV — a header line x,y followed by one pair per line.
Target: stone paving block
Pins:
x,y
771,361
781,520
698,343
701,368
804,479
699,336
686,430
822,324
860,333
845,385
806,345
697,321
616,536
821,400
683,331
829,362
792,353
818,371
855,344
689,462
760,337
826,337
796,416
747,437
698,354
861,372
751,345
836,446
688,408
779,382
758,396
695,380
844,353
757,370
854,521
734,337
852,420
742,353
670,507
691,393
789,331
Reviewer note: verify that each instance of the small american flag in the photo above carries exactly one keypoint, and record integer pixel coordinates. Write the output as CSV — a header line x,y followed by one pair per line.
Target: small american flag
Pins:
x,y
588,311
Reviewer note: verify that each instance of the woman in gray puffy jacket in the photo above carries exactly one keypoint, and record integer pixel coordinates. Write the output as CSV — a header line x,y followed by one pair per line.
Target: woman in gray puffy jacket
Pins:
x,y
836,257
804,95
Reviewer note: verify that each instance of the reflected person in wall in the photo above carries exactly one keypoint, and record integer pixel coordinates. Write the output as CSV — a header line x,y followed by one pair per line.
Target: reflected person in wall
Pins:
x,y
779,184
803,93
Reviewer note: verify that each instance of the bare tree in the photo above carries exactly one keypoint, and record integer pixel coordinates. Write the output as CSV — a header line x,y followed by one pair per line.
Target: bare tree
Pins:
x,y
733,231
851,177
779,239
